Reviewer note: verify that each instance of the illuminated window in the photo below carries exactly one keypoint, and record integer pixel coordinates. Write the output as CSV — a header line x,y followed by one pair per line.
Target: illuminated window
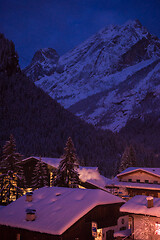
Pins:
x,y
157,227
130,223
99,234
18,237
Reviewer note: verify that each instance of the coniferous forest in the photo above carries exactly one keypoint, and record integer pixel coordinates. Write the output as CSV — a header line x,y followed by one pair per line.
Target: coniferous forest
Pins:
x,y
41,126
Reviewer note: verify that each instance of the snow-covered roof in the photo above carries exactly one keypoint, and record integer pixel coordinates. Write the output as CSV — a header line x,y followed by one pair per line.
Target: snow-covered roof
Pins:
x,y
116,183
138,205
1,207
88,168
153,171
56,208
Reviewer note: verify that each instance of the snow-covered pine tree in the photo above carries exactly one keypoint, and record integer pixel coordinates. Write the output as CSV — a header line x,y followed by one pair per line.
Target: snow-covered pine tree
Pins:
x,y
12,177
128,158
40,175
67,175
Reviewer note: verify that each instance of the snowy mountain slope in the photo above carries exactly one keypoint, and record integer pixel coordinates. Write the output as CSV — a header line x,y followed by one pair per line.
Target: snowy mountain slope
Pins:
x,y
112,108
103,79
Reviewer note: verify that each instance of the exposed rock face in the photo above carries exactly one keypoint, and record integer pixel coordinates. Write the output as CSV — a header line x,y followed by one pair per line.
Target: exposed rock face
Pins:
x,y
44,63
104,79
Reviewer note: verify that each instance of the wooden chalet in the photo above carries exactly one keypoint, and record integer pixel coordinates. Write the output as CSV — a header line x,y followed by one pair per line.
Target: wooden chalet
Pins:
x,y
136,181
61,214
89,176
30,163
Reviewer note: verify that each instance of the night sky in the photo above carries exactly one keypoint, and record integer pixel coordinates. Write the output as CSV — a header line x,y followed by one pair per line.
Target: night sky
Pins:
x,y
63,24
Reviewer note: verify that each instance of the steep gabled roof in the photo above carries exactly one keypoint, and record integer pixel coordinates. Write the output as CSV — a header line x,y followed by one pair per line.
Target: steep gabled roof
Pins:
x,y
138,205
57,208
153,171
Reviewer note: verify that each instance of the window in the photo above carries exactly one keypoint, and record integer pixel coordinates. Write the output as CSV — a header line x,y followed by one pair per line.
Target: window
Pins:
x,y
129,180
155,182
18,237
146,181
122,221
99,234
157,227
138,180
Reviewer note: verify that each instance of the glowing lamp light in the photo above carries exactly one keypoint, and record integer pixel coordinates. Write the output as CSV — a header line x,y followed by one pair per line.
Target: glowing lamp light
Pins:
x,y
157,227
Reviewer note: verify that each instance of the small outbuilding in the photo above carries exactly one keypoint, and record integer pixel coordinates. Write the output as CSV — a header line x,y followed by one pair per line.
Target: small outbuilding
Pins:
x,y
60,213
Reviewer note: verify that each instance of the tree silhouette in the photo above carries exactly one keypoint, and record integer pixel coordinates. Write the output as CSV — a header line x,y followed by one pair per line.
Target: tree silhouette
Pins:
x,y
12,177
128,158
67,175
40,175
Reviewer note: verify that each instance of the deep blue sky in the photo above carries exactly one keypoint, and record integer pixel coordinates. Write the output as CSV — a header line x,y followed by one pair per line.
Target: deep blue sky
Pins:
x,y
63,24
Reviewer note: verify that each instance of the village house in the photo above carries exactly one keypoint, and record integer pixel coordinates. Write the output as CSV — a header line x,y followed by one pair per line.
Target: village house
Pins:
x,y
89,176
144,217
136,181
62,213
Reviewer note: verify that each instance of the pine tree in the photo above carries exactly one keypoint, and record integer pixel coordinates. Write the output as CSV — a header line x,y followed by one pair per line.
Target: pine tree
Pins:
x,y
12,177
40,175
128,158
67,175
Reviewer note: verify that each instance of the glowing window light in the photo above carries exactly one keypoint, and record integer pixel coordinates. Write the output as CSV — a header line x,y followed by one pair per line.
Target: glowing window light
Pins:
x,y
157,227
99,234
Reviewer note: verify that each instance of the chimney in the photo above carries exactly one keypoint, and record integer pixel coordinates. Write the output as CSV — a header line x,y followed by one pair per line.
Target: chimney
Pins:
x,y
29,196
30,214
149,202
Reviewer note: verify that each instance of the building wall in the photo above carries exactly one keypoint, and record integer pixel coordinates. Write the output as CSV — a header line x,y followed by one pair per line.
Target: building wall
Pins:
x,y
9,233
147,192
103,215
145,227
28,168
142,176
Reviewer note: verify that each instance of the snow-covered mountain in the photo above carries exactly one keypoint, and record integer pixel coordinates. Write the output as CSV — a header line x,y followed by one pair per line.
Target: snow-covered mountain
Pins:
x,y
43,63
106,79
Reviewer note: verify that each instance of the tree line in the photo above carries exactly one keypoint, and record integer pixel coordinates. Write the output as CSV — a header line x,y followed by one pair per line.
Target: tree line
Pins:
x,y
13,179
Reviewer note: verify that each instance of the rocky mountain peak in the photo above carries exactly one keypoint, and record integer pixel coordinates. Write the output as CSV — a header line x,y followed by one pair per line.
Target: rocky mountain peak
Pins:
x,y
43,63
46,53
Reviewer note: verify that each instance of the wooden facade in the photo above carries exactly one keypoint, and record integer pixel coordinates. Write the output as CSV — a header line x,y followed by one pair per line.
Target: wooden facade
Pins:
x,y
29,165
28,168
140,176
147,192
104,215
